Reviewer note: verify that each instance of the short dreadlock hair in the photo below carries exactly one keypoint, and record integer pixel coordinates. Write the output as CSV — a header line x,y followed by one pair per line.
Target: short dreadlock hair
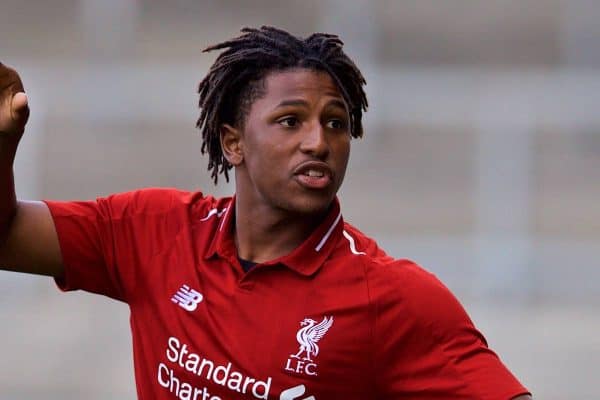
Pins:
x,y
236,79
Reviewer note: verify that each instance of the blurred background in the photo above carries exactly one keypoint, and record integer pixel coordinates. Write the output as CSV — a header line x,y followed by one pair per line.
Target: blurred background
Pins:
x,y
481,161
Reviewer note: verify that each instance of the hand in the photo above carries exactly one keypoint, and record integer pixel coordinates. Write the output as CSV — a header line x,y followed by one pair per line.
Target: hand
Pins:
x,y
14,110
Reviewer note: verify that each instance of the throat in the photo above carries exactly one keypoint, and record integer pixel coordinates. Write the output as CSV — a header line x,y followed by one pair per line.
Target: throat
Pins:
x,y
263,231
258,241
246,265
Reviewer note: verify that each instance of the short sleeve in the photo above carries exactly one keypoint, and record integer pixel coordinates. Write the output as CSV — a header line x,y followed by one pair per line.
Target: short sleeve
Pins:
x,y
105,243
426,346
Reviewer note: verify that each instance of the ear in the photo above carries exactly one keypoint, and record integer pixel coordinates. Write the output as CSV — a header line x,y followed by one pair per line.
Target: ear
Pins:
x,y
231,144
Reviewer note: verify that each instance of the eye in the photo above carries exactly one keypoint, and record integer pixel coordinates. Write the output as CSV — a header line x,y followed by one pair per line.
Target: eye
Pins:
x,y
288,122
336,124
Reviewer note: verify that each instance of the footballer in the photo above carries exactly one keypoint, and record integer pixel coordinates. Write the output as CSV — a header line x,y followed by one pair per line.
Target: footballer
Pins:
x,y
270,293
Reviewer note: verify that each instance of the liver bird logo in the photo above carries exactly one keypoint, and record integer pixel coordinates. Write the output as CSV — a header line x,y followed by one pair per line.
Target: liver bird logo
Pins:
x,y
309,335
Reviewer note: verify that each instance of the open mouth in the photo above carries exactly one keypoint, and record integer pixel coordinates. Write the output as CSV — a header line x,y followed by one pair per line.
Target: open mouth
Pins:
x,y
314,175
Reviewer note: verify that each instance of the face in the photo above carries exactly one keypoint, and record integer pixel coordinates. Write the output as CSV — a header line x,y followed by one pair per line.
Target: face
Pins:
x,y
292,152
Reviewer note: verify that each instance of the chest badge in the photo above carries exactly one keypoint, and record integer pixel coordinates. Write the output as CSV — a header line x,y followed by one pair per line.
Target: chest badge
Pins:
x,y
187,298
308,336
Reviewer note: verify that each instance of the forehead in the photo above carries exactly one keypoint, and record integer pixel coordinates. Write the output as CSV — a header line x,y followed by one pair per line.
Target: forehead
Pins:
x,y
299,83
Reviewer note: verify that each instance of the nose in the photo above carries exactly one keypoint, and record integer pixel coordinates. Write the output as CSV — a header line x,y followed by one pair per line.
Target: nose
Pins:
x,y
314,141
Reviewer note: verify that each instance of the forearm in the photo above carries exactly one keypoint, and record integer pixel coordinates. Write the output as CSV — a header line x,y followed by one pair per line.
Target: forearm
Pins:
x,y
14,112
8,198
28,239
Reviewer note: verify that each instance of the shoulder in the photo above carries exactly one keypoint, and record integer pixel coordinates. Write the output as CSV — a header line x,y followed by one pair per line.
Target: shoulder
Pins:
x,y
401,286
424,343
377,263
407,288
155,201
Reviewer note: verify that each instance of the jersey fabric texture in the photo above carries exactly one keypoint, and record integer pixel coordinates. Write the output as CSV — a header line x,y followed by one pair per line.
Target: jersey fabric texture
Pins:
x,y
336,318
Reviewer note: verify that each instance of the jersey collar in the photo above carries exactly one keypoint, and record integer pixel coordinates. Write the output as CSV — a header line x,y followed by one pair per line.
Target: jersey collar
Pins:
x,y
306,259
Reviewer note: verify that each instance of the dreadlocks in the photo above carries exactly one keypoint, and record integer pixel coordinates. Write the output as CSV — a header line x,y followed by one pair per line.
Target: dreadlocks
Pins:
x,y
236,79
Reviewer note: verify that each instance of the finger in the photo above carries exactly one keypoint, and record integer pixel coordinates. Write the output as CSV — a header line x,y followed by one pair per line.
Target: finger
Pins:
x,y
19,105
19,111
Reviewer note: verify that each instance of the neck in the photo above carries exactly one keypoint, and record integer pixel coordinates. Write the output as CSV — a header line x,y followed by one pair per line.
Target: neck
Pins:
x,y
263,234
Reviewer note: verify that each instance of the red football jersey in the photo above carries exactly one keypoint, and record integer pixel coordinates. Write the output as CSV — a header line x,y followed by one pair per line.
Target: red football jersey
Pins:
x,y
335,319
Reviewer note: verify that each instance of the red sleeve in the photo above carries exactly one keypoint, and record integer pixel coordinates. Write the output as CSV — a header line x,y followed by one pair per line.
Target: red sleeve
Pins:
x,y
105,243
426,346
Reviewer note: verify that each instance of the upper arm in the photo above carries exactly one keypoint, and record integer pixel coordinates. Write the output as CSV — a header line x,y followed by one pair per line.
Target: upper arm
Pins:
x,y
32,244
427,346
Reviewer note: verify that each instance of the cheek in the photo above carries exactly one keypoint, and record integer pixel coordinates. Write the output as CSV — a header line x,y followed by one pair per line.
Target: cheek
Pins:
x,y
273,154
267,162
343,155
343,150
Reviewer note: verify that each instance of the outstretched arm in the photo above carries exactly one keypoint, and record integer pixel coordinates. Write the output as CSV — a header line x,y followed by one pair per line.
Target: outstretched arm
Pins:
x,y
28,240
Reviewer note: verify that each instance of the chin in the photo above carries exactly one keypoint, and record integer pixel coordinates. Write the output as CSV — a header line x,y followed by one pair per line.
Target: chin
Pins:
x,y
310,205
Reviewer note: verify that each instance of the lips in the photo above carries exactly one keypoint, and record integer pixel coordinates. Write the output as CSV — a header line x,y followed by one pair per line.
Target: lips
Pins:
x,y
314,175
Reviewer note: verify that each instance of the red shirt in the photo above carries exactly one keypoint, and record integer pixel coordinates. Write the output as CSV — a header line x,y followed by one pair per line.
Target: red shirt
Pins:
x,y
335,319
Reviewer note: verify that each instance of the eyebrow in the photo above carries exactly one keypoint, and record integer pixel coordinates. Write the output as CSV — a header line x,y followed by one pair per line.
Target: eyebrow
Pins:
x,y
337,103
287,103
302,103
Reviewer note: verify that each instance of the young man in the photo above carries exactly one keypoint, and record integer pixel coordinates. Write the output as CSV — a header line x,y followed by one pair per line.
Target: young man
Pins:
x,y
269,294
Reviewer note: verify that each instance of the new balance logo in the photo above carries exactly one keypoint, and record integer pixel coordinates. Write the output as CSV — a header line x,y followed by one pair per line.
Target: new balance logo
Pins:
x,y
187,298
295,393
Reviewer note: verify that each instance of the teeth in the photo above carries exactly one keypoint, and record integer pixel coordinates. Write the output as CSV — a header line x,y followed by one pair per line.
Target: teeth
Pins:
x,y
314,173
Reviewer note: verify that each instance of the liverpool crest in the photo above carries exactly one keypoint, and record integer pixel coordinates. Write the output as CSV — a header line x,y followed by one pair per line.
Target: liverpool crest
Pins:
x,y
308,336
